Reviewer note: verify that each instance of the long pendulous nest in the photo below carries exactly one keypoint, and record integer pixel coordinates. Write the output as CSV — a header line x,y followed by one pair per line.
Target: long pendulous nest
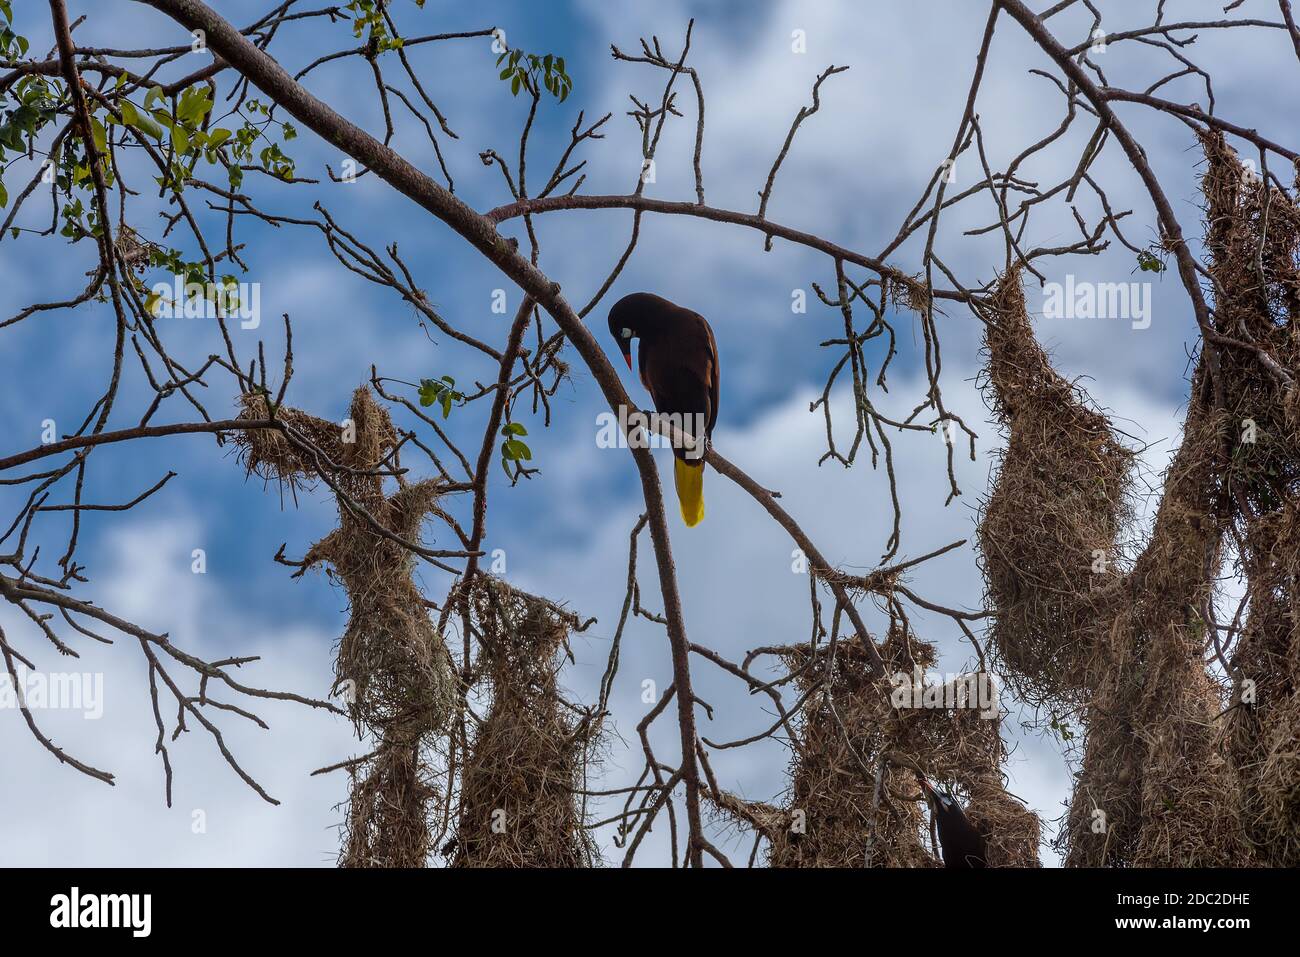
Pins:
x,y
1170,777
388,809
1253,246
1265,716
866,730
1049,535
392,668
1154,788
520,800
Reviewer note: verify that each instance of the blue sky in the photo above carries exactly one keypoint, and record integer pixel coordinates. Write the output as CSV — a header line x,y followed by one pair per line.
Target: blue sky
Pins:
x,y
855,169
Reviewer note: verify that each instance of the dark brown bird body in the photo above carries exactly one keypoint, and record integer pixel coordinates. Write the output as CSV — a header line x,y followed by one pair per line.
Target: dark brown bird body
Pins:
x,y
678,364
961,843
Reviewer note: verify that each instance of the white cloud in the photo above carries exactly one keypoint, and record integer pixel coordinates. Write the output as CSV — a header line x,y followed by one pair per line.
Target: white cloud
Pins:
x,y
90,823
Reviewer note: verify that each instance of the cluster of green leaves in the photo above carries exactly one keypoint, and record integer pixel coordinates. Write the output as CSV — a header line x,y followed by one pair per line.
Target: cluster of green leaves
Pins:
x,y
513,449
1062,727
37,105
172,261
74,225
225,293
72,172
1149,261
35,108
181,127
368,20
271,156
13,128
528,71
441,392
12,45
37,102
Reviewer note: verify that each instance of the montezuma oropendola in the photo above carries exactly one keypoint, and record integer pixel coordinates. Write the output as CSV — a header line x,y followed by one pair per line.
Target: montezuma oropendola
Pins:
x,y
962,845
678,363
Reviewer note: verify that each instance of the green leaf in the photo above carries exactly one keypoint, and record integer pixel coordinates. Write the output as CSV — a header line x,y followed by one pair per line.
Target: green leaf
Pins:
x,y
4,197
1148,262
99,134
515,451
133,117
428,392
164,119
194,105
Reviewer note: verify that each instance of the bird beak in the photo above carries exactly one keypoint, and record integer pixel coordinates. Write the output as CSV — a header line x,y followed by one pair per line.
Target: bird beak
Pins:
x,y
925,786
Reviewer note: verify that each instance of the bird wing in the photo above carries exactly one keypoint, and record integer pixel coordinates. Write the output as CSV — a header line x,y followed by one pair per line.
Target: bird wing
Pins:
x,y
715,370
680,372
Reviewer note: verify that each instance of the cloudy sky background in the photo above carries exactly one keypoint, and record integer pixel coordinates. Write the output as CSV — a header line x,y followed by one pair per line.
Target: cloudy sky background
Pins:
x,y
855,170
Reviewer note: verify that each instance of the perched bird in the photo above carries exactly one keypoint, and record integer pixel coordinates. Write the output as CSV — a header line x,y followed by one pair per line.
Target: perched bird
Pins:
x,y
962,845
678,363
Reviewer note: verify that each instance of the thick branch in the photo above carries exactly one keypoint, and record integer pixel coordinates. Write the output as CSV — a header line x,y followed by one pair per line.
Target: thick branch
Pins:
x,y
272,79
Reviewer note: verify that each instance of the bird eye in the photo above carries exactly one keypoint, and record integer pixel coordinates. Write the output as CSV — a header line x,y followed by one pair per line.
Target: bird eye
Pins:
x,y
626,333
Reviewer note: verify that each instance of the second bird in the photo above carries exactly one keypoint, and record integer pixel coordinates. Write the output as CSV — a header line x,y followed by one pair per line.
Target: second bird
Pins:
x,y
678,362
963,845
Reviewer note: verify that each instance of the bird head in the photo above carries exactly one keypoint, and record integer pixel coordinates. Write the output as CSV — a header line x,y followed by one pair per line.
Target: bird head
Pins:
x,y
942,801
623,335
625,323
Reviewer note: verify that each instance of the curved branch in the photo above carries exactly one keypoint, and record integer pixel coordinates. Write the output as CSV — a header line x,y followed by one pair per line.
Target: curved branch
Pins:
x,y
646,204
264,72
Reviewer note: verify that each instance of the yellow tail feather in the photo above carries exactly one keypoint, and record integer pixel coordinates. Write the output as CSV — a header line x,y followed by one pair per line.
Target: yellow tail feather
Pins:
x,y
689,479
